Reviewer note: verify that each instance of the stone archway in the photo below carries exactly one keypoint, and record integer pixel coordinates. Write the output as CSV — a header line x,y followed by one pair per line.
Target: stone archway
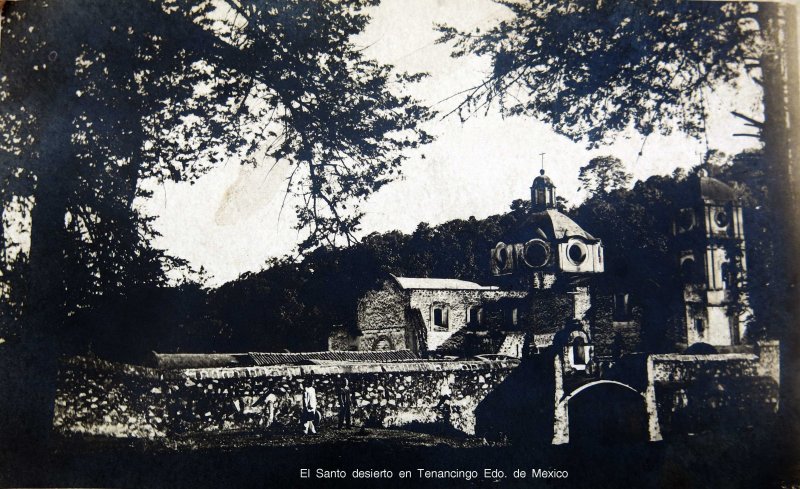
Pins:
x,y
601,413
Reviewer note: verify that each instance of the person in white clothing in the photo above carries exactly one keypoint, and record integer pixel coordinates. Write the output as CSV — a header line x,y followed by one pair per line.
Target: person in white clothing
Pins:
x,y
309,414
269,405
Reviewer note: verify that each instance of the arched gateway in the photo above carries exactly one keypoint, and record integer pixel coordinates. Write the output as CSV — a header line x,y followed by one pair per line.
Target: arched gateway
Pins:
x,y
603,412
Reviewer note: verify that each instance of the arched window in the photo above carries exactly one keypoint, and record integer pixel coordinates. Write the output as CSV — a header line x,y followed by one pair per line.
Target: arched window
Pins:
x,y
700,326
728,279
688,269
475,316
511,317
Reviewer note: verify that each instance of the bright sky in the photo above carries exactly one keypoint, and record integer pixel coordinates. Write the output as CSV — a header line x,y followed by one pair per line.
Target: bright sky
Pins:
x,y
227,222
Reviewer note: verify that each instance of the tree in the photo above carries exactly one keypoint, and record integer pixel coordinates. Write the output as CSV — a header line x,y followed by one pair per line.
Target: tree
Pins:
x,y
99,104
593,69
603,174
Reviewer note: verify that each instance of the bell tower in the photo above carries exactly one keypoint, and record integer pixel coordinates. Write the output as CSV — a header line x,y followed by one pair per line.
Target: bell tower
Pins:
x,y
709,233
543,193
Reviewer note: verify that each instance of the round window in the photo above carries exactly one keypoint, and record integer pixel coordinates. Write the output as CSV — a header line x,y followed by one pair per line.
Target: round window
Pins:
x,y
576,252
721,218
501,255
536,253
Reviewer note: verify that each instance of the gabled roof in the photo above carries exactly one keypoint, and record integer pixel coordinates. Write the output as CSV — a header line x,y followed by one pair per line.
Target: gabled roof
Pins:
x,y
408,283
389,356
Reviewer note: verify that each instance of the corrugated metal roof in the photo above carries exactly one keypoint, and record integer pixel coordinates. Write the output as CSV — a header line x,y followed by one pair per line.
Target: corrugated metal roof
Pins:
x,y
263,359
198,360
440,284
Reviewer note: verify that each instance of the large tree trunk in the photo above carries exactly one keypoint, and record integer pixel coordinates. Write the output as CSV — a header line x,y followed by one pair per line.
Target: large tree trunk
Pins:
x,y
29,409
781,151
30,367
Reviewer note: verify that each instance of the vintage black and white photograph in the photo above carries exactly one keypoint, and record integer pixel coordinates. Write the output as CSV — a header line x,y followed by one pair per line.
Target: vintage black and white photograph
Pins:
x,y
399,243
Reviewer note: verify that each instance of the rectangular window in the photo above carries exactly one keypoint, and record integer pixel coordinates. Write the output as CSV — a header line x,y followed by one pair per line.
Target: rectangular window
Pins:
x,y
511,317
439,317
622,309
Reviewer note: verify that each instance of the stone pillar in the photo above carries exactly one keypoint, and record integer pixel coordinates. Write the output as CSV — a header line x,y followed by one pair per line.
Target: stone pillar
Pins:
x,y
653,426
769,362
582,302
560,411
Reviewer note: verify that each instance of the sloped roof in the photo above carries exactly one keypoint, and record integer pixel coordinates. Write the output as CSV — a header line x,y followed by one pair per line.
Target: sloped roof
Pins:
x,y
264,359
564,227
439,284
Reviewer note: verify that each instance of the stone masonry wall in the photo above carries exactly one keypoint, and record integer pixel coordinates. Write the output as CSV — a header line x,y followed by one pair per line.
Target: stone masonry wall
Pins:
x,y
709,392
384,308
458,303
382,319
102,398
611,337
388,338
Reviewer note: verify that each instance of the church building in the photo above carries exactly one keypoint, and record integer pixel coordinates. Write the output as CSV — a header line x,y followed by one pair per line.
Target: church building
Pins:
x,y
709,234
549,291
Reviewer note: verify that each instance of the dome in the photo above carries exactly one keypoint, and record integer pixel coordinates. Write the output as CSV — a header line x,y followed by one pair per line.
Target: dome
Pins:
x,y
551,225
713,189
542,180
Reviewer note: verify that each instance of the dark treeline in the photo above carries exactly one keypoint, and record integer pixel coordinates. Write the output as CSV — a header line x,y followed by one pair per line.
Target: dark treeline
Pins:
x,y
293,304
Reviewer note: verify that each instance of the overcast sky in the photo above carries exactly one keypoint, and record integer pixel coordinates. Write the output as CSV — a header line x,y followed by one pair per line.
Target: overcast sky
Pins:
x,y
227,222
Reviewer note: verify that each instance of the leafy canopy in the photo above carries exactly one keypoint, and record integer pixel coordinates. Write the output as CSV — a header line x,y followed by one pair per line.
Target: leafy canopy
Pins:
x,y
99,106
591,69
603,174
100,102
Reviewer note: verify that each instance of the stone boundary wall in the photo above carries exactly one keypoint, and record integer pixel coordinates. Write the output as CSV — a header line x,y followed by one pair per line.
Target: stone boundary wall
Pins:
x,y
104,398
694,393
687,368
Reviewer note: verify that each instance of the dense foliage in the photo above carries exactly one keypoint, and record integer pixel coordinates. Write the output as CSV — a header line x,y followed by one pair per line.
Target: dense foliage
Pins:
x,y
98,108
102,101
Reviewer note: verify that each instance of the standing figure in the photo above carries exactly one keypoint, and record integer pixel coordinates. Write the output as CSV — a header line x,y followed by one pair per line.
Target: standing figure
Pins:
x,y
345,396
445,396
269,404
309,416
